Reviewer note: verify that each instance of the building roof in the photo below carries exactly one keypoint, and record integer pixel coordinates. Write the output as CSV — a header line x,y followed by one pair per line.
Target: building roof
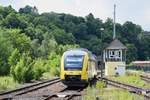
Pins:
x,y
116,44
141,62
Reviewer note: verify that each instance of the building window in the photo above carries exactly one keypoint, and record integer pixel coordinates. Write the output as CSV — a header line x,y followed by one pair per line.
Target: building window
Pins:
x,y
117,54
111,54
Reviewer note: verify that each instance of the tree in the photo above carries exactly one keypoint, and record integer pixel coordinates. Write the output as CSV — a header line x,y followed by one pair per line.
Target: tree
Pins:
x,y
93,24
4,11
14,20
144,48
131,31
35,48
62,37
11,21
19,40
5,51
48,45
62,48
131,53
80,31
94,44
28,10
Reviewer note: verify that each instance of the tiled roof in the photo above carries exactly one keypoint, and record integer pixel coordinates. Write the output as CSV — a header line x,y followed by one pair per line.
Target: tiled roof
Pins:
x,y
116,44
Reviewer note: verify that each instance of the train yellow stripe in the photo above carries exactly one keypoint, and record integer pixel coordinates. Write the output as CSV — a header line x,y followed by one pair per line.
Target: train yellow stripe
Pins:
x,y
72,72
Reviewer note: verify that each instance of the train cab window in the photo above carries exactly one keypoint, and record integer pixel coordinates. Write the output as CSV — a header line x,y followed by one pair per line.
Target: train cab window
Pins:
x,y
74,62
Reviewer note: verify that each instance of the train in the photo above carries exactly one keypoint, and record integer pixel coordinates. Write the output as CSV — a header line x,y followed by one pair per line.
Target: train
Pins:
x,y
78,67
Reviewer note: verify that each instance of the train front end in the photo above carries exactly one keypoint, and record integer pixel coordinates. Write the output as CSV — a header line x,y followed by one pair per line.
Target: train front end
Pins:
x,y
74,68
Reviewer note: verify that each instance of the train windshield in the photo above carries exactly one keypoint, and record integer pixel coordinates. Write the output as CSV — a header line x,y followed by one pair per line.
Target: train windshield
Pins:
x,y
74,62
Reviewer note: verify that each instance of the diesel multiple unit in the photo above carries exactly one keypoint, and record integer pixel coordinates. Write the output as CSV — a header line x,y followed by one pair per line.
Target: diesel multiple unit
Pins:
x,y
78,67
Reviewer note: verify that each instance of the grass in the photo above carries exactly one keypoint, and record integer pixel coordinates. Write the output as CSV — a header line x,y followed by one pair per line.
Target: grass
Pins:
x,y
47,75
134,72
7,83
118,94
133,79
109,93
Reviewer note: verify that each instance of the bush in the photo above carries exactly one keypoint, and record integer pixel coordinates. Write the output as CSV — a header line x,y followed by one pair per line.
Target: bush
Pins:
x,y
7,83
55,71
54,63
23,72
38,68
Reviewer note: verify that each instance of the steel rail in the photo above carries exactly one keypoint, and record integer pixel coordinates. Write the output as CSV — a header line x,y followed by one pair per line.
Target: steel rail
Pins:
x,y
66,94
145,78
130,88
26,89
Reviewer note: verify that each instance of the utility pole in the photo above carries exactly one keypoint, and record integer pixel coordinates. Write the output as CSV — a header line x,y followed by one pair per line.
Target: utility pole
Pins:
x,y
114,29
101,61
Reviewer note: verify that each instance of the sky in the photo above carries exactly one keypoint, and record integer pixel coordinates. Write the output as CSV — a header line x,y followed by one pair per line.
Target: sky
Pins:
x,y
137,11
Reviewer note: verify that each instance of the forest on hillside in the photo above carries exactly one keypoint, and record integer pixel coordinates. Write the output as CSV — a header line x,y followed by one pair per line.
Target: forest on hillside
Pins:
x,y
32,43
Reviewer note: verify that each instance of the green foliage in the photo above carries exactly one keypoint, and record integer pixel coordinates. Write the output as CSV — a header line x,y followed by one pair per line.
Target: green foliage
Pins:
x,y
110,94
5,51
93,24
48,45
7,83
131,53
28,10
46,36
18,40
93,43
62,37
144,48
54,63
14,57
119,94
4,11
38,69
14,20
134,72
91,94
133,80
22,72
100,84
47,75
63,48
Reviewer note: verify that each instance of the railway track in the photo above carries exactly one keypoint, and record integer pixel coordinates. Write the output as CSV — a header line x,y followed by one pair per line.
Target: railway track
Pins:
x,y
9,95
145,77
67,94
40,91
130,88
